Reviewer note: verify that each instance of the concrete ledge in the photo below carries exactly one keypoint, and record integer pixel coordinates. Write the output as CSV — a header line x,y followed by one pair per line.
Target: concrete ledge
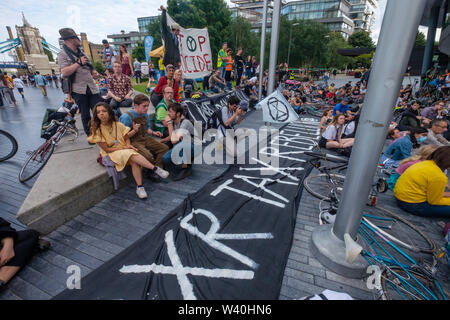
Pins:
x,y
70,183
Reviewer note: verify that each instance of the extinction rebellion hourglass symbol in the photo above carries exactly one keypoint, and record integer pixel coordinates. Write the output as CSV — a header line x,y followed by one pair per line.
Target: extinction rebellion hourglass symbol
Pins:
x,y
278,110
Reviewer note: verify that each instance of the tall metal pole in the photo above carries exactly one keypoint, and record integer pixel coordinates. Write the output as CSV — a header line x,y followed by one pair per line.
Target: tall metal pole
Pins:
x,y
398,31
289,47
274,44
262,51
431,35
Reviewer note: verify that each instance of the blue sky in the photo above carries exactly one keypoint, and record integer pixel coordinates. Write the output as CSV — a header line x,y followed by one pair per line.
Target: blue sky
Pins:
x,y
96,18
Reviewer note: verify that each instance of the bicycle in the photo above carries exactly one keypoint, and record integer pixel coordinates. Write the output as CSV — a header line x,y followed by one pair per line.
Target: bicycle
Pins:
x,y
8,146
39,157
399,279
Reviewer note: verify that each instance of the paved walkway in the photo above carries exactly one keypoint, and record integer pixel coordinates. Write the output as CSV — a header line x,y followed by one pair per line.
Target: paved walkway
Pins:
x,y
112,225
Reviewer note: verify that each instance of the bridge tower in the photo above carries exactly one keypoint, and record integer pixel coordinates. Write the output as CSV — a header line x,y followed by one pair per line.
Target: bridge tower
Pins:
x,y
30,39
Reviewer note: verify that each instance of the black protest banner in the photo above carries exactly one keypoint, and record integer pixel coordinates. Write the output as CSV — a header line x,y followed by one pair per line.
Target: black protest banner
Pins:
x,y
228,241
202,109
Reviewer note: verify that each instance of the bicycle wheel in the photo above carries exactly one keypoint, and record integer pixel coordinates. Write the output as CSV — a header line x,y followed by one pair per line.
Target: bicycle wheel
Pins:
x,y
400,231
321,184
8,146
36,161
396,285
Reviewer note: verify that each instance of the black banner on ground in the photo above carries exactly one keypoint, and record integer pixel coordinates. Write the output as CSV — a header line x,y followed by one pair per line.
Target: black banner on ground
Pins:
x,y
202,109
228,241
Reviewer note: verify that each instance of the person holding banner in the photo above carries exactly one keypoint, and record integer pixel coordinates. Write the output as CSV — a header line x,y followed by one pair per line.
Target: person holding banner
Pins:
x,y
171,49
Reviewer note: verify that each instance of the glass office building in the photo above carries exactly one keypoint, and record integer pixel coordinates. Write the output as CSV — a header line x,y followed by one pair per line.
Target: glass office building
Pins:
x,y
362,12
143,22
130,39
335,14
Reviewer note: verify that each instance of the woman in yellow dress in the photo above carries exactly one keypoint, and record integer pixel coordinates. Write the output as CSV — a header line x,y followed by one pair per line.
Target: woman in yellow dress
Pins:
x,y
112,138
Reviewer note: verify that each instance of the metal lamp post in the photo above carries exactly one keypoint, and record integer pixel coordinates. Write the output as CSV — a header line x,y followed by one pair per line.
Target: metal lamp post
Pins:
x,y
290,38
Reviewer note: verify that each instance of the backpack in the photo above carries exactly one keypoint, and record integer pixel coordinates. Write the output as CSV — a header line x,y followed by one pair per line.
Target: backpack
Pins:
x,y
212,121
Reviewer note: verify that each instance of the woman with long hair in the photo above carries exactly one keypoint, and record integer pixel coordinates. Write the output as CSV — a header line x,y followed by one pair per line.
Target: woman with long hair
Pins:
x,y
125,60
178,76
422,154
325,119
332,136
420,190
113,139
402,147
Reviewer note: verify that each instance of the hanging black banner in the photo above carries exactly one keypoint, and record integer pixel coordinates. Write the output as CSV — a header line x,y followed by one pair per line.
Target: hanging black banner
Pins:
x,y
228,241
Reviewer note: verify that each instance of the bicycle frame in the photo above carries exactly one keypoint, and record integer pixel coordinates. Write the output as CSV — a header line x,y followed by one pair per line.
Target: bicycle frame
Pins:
x,y
390,261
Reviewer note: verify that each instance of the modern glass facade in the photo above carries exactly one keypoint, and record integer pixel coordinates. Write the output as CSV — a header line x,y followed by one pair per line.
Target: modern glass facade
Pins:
x,y
144,22
333,13
130,39
362,12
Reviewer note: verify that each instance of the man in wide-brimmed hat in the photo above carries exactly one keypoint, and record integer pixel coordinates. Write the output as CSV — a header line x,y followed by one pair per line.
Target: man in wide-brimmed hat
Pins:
x,y
75,66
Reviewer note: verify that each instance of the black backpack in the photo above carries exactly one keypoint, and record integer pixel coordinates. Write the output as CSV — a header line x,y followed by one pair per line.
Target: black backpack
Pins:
x,y
212,121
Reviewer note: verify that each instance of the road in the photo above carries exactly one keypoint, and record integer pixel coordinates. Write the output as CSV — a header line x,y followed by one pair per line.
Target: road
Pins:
x,y
23,121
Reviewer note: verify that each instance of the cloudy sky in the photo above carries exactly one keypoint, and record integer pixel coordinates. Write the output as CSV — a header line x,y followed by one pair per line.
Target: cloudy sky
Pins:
x,y
96,18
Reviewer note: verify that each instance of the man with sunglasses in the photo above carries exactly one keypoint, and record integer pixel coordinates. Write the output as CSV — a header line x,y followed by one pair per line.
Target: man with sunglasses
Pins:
x,y
75,66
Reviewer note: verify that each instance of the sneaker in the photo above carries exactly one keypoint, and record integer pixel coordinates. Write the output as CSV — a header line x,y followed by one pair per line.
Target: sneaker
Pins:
x,y
161,172
140,191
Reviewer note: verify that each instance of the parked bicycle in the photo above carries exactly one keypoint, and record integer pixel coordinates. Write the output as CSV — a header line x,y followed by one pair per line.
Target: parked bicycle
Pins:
x,y
39,157
382,235
8,146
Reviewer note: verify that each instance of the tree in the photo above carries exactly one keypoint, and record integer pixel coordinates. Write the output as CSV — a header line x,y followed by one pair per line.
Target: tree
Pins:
x,y
364,60
154,29
99,66
139,52
420,40
241,36
333,59
361,39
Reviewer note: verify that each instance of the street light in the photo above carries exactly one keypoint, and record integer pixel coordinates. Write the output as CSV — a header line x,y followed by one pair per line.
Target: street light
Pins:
x,y
290,38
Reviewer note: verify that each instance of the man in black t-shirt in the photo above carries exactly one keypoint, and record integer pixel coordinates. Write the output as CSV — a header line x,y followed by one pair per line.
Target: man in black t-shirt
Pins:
x,y
239,66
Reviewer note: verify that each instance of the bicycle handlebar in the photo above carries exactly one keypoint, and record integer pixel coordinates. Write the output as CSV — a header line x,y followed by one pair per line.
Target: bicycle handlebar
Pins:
x,y
326,156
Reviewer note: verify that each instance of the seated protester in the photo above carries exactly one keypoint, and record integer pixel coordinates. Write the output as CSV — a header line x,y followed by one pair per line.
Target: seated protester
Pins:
x,y
355,91
216,83
230,116
438,126
161,111
325,119
331,137
420,190
138,120
402,147
168,80
349,130
182,135
205,84
16,249
433,112
119,89
114,142
410,117
421,155
438,82
394,134
342,108
297,103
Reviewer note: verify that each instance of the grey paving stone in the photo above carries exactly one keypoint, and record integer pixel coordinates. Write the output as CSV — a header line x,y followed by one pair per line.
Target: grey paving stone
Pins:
x,y
299,285
7,294
63,262
41,281
298,257
356,283
306,268
299,275
336,286
25,290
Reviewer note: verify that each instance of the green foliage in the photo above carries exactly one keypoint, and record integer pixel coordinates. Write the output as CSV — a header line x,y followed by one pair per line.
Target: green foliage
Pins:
x,y
333,59
364,60
98,65
361,39
154,29
241,36
139,52
420,40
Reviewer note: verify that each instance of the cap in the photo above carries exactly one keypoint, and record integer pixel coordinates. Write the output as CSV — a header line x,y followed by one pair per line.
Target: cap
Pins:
x,y
104,41
67,33
243,105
